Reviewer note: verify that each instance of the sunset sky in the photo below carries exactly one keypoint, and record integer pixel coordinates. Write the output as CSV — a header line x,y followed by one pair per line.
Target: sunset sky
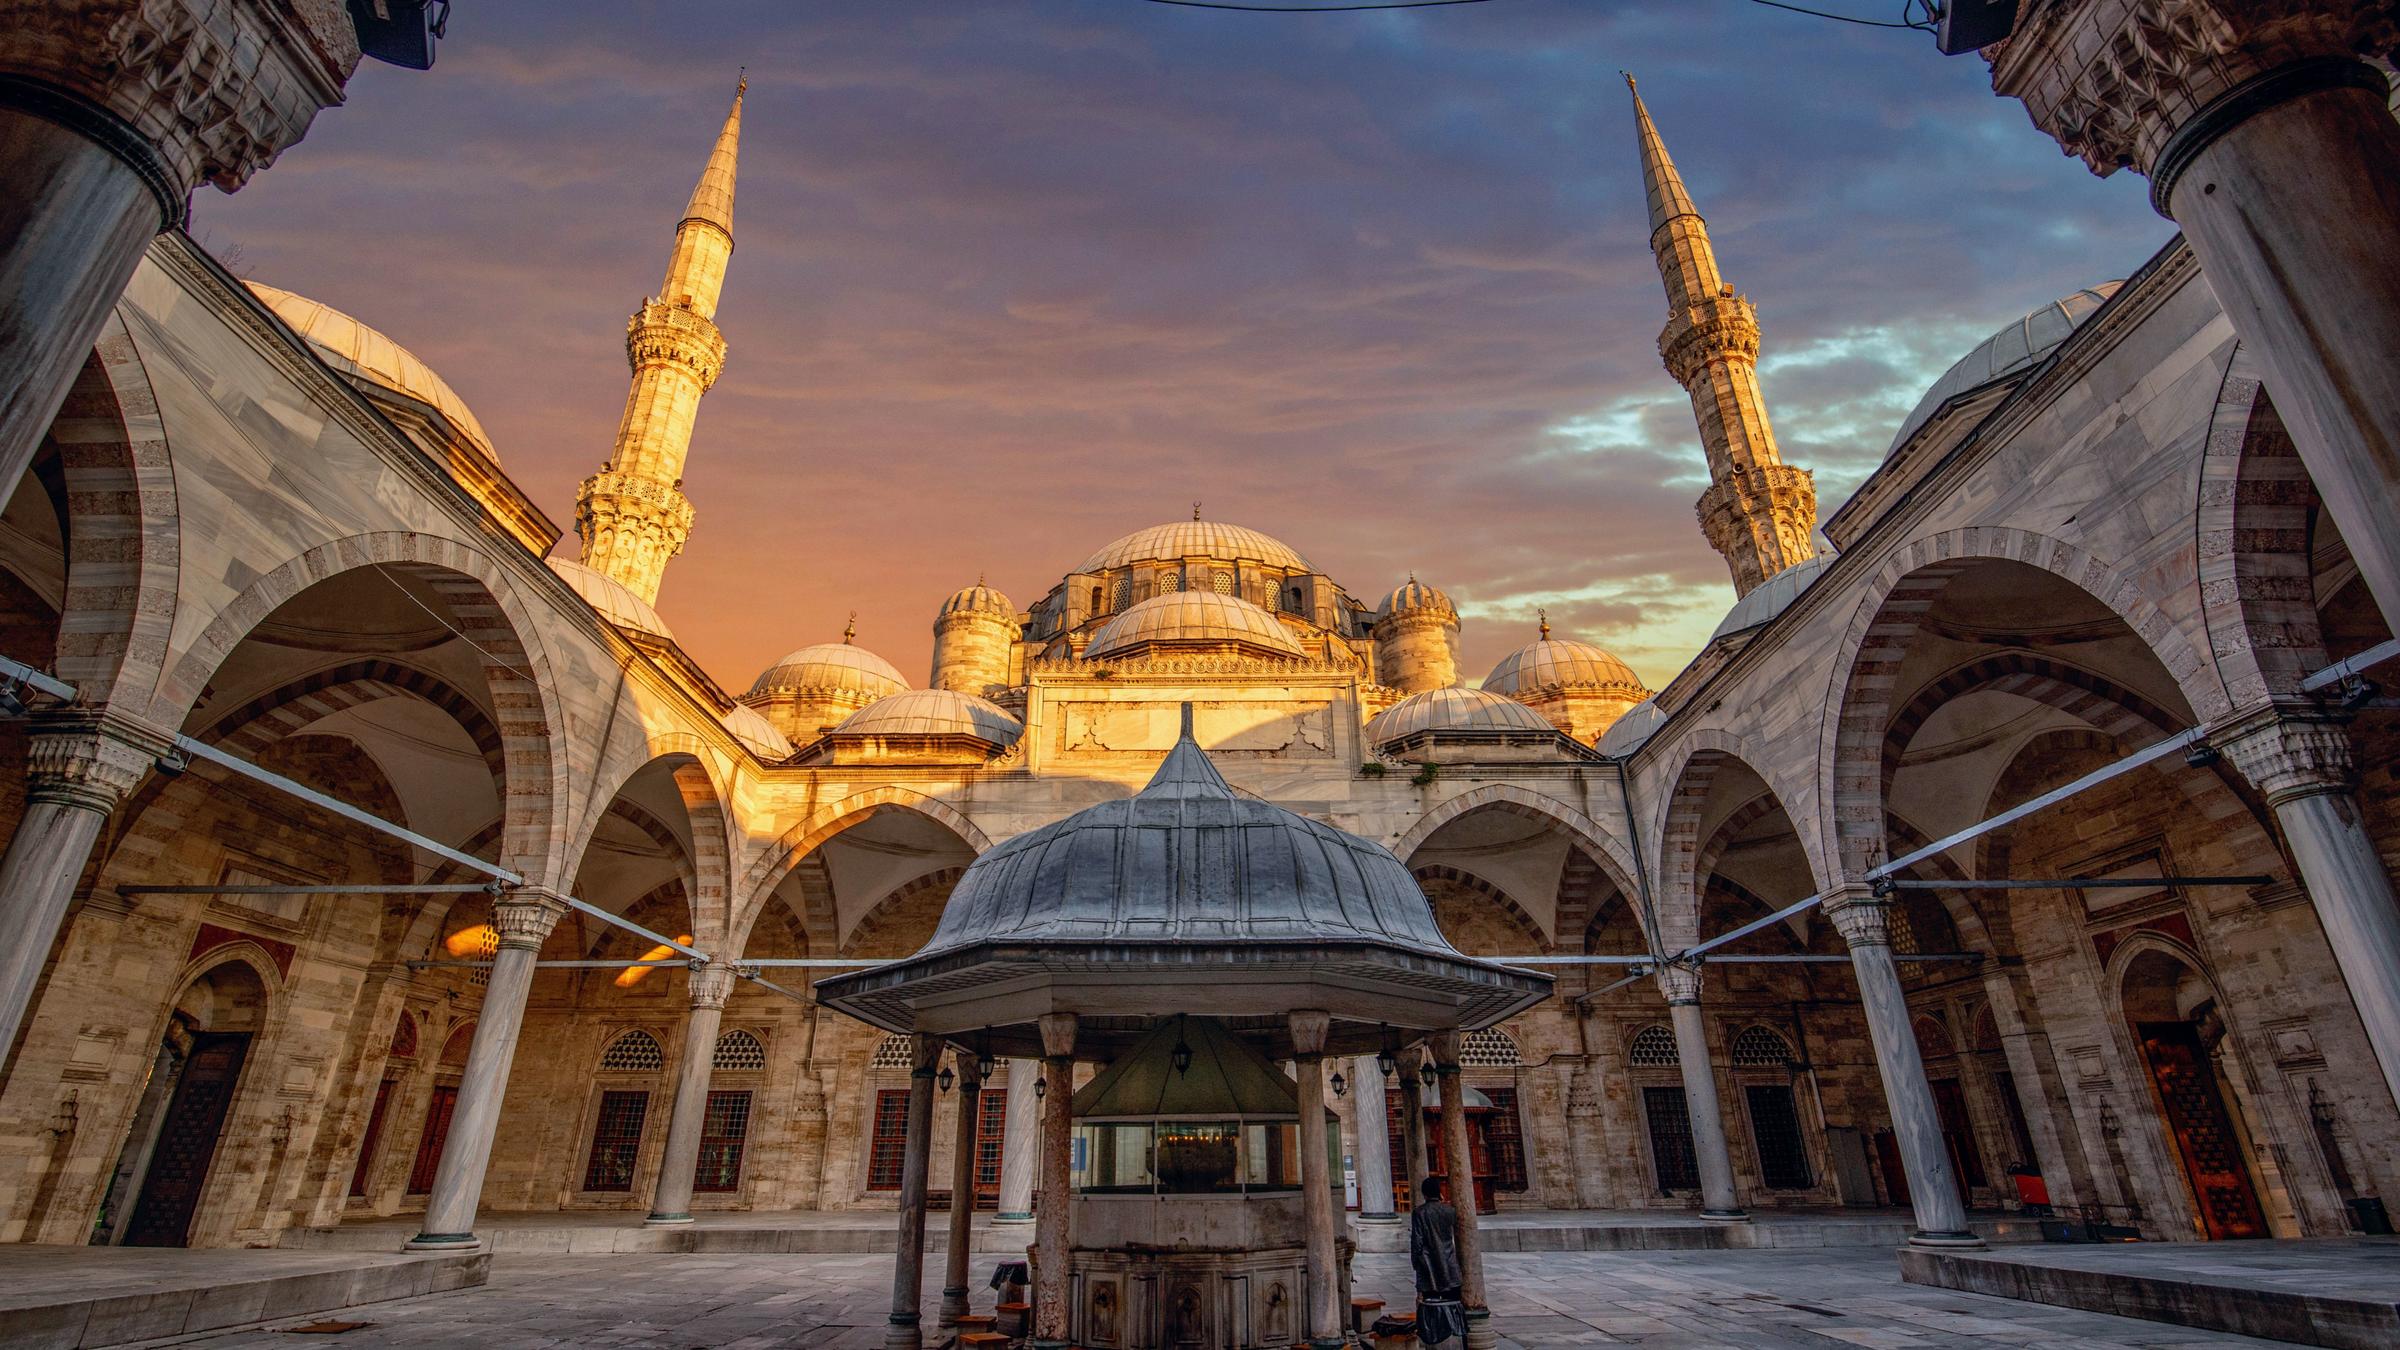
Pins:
x,y
1015,277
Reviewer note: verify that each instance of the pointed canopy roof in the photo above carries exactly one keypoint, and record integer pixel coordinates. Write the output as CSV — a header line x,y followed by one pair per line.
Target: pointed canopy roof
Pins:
x,y
1660,182
712,198
1227,1077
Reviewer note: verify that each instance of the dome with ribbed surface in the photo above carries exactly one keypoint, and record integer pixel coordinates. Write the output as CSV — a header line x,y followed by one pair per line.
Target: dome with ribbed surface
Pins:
x,y
1630,730
1454,710
1193,617
1772,596
751,728
933,712
838,666
979,599
2013,350
1413,595
1196,539
1562,662
615,601
362,353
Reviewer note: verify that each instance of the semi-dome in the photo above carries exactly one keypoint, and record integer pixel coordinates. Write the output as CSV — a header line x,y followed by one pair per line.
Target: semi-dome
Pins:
x,y
1563,662
979,599
1633,727
613,598
837,666
1413,594
751,728
2015,348
362,353
933,712
1772,596
1196,539
1454,710
1196,617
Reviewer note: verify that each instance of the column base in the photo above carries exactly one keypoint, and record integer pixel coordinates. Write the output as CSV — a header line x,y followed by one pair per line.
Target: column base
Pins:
x,y
1013,1220
1480,1335
1946,1241
954,1304
666,1220
1039,1344
1327,1342
1375,1218
1726,1215
900,1333
442,1242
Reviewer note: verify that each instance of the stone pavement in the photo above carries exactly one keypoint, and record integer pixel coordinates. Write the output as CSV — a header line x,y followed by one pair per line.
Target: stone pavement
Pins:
x,y
1824,1299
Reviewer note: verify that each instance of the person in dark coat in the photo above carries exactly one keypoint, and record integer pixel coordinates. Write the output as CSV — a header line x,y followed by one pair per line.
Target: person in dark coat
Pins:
x,y
1433,1255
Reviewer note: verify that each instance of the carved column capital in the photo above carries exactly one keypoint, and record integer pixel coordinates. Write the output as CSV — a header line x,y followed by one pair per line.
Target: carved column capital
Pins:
x,y
1679,983
89,759
1443,1048
2288,753
184,91
1309,1029
1058,1035
1863,918
525,916
711,984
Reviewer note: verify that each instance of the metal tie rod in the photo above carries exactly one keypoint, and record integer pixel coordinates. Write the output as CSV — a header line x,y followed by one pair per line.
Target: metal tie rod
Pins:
x,y
550,965
422,888
631,927
754,978
27,675
2348,666
202,750
2072,883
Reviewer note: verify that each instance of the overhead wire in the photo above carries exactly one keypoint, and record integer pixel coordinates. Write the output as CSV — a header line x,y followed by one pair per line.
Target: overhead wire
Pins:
x,y
1916,15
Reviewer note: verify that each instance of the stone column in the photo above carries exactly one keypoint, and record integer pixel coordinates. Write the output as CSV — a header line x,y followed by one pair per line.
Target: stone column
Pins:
x,y
1456,1151
908,1265
111,112
671,1202
1681,985
1316,1185
1412,1119
524,918
962,1189
2271,144
1051,1235
78,766
1020,1144
2301,762
1864,922
1369,1117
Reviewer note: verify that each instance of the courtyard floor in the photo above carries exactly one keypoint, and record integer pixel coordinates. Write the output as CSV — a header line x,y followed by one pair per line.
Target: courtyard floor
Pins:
x,y
1817,1298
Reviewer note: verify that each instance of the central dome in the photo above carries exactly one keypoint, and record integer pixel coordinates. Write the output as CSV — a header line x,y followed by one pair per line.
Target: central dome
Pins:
x,y
837,666
2016,348
1563,662
361,353
1194,617
1196,539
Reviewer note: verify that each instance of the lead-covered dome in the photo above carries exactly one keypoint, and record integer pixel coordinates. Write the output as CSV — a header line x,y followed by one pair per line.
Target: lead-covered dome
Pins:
x,y
1196,539
615,601
2016,348
1454,710
1196,617
1563,663
1771,597
933,712
751,728
1412,596
839,667
979,599
362,353
1634,727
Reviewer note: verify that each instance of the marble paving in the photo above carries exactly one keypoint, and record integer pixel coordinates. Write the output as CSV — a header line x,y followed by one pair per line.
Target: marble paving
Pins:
x,y
1825,1299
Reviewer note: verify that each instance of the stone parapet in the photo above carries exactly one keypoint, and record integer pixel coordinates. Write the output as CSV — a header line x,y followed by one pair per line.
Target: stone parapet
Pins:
x,y
664,334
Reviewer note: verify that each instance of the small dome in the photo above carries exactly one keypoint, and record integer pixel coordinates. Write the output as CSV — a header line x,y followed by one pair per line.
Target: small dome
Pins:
x,y
1193,616
1771,597
751,728
1631,729
360,352
1559,661
1454,710
1196,539
1415,595
613,598
979,599
838,666
2018,347
933,712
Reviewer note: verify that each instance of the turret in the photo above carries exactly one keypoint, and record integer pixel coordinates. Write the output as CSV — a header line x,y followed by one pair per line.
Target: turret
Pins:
x,y
974,641
1416,639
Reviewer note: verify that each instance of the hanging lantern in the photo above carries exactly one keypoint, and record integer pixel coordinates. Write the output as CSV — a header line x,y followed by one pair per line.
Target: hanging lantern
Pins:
x,y
1341,1085
984,1067
944,1079
1385,1064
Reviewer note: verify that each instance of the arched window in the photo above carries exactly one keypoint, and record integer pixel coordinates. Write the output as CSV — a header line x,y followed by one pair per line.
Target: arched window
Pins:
x,y
1124,593
739,1052
1169,581
1291,600
1761,1048
1933,1039
1221,583
1490,1048
1987,1031
1095,599
454,1050
1653,1048
893,1052
404,1037
634,1052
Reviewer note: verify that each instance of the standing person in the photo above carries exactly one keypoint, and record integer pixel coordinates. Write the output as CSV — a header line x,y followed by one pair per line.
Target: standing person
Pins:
x,y
1433,1254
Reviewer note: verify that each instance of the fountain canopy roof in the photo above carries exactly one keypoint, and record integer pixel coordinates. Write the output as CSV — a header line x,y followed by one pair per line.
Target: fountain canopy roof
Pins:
x,y
1227,1079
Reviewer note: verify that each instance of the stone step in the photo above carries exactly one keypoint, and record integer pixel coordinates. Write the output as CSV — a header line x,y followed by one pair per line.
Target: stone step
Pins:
x,y
61,1297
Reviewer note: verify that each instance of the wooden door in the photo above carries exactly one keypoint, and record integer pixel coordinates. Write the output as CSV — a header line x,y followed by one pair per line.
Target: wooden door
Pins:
x,y
374,1136
2203,1130
1958,1133
187,1142
432,1137
1895,1171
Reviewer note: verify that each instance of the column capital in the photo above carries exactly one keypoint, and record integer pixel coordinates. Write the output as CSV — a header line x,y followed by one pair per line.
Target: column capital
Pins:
x,y
1309,1029
1058,1035
90,758
185,92
2131,84
1863,918
1679,981
1443,1047
524,916
2288,753
711,984
970,1068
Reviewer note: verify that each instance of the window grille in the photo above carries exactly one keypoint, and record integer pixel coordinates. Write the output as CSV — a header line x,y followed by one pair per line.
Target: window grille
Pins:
x,y
739,1052
1221,583
1170,581
634,1052
1987,1030
1672,1158
724,1130
1653,1048
887,1156
404,1038
1124,593
893,1052
991,1139
1505,1133
1761,1048
1775,1127
1489,1048
616,1140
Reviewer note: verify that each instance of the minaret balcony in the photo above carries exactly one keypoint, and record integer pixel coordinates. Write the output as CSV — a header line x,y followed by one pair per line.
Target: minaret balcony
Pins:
x,y
675,334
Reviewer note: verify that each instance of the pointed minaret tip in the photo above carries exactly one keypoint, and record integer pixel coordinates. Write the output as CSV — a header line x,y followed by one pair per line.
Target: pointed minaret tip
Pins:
x,y
1660,181
712,197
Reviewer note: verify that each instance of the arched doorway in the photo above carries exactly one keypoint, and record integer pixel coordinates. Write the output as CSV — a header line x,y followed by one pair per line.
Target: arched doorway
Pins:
x,y
2177,1027
207,1042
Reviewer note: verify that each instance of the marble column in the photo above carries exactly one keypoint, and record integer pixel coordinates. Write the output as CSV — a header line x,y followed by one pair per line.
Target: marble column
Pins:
x,y
524,917
111,113
1681,986
1369,1116
900,1330
2301,762
2273,146
671,1202
1459,1155
1413,1150
955,1304
1020,1144
1316,1182
78,767
1864,921
1051,1235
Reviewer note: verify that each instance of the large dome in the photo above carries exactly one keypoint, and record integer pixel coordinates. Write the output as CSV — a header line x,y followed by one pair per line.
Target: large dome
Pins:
x,y
613,598
1454,710
2017,347
1196,539
933,712
358,351
1193,616
1771,597
1563,662
834,666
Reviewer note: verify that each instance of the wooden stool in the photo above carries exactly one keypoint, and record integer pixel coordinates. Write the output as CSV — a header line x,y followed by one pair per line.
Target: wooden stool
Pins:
x,y
1363,1310
991,1338
975,1322
1013,1318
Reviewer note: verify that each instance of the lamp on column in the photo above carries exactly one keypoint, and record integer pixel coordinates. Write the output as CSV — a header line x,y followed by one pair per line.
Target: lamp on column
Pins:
x,y
1041,1087
1425,1073
945,1078
984,1066
1385,1064
1341,1085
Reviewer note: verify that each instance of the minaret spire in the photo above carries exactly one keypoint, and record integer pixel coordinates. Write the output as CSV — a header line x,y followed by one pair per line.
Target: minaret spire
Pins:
x,y
1758,511
632,516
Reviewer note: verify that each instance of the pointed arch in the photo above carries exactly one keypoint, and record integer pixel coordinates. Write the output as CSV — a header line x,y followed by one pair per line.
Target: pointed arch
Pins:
x,y
1685,857
123,563
770,865
1579,828
1500,900
2257,588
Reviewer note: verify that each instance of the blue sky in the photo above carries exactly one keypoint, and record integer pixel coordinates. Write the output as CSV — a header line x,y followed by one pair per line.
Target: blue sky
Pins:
x,y
1014,277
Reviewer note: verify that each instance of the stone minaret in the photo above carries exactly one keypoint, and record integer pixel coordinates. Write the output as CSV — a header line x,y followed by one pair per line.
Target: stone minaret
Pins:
x,y
1760,512
632,515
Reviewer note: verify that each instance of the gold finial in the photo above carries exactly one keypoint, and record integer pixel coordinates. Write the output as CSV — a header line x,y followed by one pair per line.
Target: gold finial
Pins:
x,y
851,630
1195,510
1629,84
1545,618
1412,576
742,85
978,576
